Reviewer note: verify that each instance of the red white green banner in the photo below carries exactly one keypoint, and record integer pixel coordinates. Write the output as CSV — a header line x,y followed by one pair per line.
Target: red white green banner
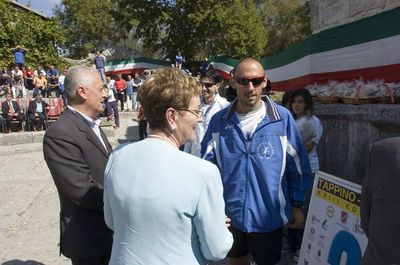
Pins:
x,y
134,65
368,48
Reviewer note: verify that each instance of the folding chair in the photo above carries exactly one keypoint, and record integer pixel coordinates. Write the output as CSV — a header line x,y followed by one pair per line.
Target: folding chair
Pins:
x,y
53,114
57,102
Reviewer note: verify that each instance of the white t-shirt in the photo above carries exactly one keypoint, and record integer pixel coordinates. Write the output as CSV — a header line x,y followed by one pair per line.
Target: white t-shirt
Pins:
x,y
249,121
61,79
310,129
110,95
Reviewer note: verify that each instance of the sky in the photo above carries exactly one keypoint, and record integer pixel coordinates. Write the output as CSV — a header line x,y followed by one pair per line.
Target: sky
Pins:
x,y
42,6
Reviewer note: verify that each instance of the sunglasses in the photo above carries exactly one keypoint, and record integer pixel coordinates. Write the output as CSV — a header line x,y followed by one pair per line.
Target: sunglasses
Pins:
x,y
208,84
255,81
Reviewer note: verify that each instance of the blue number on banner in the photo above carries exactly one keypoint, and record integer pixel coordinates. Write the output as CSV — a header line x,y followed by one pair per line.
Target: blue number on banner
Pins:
x,y
344,242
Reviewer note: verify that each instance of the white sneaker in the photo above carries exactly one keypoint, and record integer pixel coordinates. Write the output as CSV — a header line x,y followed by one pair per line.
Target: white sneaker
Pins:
x,y
295,256
285,248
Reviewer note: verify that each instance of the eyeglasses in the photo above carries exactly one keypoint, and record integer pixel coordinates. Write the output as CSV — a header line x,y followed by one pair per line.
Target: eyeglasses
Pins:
x,y
255,81
197,113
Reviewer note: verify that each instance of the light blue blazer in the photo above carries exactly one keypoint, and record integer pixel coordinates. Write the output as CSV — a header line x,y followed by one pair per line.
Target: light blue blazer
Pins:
x,y
164,206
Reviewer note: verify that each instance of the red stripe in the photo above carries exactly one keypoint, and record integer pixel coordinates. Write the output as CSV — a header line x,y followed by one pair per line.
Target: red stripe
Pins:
x,y
223,74
126,71
389,73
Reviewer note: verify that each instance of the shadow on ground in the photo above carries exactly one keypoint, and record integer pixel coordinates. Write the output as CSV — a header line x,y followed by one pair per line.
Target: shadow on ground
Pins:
x,y
20,262
132,132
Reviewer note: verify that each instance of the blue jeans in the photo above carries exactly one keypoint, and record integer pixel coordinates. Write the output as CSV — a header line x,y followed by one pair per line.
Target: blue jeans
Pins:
x,y
102,74
135,103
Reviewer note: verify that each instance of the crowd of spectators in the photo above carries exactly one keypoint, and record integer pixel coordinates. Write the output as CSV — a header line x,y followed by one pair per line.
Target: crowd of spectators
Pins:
x,y
23,83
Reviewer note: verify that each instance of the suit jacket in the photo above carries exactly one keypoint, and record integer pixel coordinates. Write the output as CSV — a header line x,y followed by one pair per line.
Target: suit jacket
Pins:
x,y
77,159
380,203
5,108
33,105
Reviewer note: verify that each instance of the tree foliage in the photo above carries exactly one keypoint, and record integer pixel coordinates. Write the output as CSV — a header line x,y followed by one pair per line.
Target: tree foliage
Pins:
x,y
196,28
41,36
88,25
287,22
159,28
242,32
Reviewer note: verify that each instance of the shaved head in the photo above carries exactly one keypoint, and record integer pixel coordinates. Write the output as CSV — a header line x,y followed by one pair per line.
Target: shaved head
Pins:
x,y
246,60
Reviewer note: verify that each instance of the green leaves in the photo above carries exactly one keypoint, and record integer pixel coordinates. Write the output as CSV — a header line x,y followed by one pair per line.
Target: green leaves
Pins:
x,y
287,23
155,28
39,35
197,28
88,24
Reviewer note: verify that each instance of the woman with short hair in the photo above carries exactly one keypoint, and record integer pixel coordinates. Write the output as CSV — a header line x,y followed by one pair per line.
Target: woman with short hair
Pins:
x,y
165,206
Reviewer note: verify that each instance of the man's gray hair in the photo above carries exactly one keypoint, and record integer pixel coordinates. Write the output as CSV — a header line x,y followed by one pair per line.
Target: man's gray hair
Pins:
x,y
78,76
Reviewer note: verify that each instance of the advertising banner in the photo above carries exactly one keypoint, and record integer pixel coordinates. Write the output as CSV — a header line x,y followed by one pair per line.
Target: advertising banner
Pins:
x,y
333,233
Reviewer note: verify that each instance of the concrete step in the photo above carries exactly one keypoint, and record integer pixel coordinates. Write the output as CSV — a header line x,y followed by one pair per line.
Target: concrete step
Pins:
x,y
17,138
7,150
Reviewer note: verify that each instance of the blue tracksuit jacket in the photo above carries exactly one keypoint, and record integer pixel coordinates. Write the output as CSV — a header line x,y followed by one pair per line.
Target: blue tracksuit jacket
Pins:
x,y
264,177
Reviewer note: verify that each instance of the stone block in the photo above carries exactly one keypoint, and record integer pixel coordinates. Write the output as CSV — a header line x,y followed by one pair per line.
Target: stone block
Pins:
x,y
357,7
348,133
333,14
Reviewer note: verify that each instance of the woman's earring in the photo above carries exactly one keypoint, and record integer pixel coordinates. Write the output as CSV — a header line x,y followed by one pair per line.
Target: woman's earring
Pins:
x,y
173,127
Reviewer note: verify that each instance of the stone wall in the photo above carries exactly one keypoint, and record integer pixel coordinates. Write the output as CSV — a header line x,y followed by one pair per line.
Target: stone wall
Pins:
x,y
348,132
330,13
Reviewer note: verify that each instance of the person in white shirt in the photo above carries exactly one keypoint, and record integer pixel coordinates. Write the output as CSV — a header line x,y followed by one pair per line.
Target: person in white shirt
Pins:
x,y
136,83
61,80
112,104
301,105
211,103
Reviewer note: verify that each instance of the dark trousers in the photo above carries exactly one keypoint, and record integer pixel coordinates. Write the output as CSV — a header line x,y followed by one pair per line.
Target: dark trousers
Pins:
x,y
28,83
121,98
112,108
37,121
97,261
41,90
9,118
142,129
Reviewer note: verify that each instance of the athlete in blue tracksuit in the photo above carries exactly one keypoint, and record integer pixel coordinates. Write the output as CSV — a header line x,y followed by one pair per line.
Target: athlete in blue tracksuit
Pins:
x,y
269,171
265,172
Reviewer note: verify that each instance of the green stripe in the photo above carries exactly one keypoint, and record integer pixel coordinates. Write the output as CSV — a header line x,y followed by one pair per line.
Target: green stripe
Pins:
x,y
289,55
383,25
138,60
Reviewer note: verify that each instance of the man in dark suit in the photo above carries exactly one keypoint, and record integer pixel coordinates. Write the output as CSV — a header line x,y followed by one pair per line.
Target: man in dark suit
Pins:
x,y
11,111
37,112
76,151
380,203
